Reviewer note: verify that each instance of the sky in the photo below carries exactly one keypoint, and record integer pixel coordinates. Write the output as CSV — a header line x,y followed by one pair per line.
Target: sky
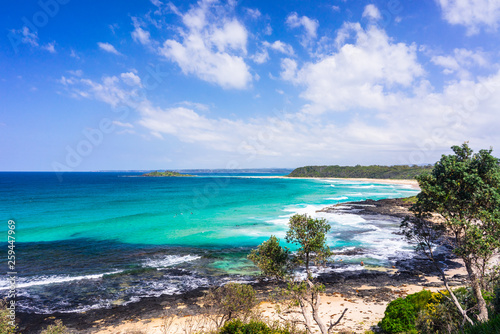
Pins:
x,y
153,84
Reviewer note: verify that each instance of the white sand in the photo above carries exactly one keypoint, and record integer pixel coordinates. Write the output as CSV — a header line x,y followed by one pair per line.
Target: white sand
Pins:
x,y
412,183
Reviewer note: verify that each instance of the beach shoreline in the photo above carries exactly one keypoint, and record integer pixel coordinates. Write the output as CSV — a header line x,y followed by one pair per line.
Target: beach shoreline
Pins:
x,y
412,183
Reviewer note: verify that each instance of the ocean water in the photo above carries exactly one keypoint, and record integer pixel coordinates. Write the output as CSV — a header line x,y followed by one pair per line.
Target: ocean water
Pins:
x,y
94,240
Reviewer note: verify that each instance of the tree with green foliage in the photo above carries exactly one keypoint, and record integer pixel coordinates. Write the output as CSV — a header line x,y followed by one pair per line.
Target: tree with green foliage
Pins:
x,y
272,259
310,235
463,190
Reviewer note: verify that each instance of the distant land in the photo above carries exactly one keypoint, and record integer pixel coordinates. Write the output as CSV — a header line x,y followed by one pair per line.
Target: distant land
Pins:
x,y
166,173
401,172
238,171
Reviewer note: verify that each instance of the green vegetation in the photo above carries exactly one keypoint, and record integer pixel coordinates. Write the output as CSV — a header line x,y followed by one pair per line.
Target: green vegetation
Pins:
x,y
428,312
56,328
310,235
401,313
464,190
490,327
6,319
164,174
274,261
412,199
253,327
230,301
369,172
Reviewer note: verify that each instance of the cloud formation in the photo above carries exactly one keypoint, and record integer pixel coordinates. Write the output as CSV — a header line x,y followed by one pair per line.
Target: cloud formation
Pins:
x,y
361,74
108,48
309,25
372,12
211,45
473,14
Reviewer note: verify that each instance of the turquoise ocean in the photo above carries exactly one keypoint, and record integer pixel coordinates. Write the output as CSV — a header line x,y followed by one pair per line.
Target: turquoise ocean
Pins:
x,y
94,240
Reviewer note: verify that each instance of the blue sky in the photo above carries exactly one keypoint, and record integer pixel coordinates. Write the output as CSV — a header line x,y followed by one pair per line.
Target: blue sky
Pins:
x,y
98,85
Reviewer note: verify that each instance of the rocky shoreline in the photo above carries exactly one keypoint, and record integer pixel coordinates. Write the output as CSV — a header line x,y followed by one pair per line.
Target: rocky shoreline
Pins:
x,y
379,286
394,207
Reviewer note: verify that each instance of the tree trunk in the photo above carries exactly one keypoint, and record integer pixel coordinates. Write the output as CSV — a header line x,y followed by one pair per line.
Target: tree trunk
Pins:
x,y
315,303
453,297
305,314
430,256
476,289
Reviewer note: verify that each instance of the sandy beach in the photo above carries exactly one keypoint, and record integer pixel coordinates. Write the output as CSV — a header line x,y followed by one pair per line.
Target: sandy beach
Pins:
x,y
412,183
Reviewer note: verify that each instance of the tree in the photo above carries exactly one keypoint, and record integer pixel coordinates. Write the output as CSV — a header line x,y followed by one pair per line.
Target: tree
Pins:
x,y
463,189
272,259
310,235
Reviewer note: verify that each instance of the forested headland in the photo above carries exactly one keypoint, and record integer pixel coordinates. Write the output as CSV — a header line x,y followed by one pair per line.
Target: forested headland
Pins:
x,y
369,172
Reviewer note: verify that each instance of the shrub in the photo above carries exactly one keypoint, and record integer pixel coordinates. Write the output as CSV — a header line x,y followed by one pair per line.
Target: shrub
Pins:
x,y
253,327
231,301
56,328
400,314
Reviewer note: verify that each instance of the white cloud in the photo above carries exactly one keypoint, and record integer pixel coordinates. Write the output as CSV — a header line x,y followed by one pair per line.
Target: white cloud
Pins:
x,y
211,46
310,26
263,55
371,11
140,35
157,3
268,30
195,105
289,69
49,47
362,74
108,48
280,47
74,54
424,120
253,13
123,125
131,79
113,90
461,61
76,73
26,36
473,14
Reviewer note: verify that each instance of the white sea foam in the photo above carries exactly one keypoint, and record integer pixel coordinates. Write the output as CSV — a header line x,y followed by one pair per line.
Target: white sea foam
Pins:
x,y
340,198
169,260
52,279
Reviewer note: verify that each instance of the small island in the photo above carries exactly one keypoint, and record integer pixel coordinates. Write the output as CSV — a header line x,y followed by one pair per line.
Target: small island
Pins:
x,y
166,173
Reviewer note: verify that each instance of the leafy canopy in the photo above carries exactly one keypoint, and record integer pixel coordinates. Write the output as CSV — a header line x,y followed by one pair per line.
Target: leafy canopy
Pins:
x,y
310,235
464,189
272,259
